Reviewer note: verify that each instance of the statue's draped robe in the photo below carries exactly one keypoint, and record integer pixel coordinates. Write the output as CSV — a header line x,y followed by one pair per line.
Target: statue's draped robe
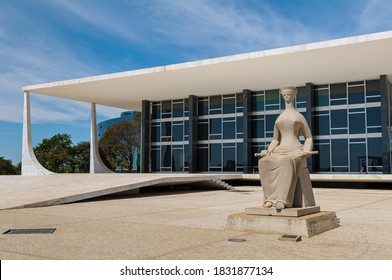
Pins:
x,y
279,171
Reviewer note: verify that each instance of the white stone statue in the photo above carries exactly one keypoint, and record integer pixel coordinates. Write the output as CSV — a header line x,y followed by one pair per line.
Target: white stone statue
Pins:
x,y
283,168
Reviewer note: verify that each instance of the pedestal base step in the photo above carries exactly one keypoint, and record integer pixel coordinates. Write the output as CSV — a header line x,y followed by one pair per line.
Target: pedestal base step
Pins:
x,y
290,212
307,226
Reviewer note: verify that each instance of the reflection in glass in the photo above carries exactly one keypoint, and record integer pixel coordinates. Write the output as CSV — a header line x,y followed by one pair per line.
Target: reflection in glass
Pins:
x,y
228,130
215,155
178,110
165,156
229,106
358,157
339,152
178,132
155,134
323,159
202,159
373,116
155,160
229,159
177,160
338,91
357,123
356,95
216,126
322,97
322,125
338,118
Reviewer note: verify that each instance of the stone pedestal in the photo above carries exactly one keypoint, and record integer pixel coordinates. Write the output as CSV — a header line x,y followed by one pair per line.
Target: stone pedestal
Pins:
x,y
289,212
306,225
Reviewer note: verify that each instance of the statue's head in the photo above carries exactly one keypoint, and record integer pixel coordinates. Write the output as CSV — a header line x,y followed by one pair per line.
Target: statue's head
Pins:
x,y
288,93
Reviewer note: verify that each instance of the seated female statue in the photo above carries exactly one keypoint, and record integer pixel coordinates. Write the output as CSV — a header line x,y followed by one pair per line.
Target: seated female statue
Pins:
x,y
281,163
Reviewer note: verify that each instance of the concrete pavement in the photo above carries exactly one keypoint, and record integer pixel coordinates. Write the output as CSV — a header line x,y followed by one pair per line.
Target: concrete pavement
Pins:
x,y
191,224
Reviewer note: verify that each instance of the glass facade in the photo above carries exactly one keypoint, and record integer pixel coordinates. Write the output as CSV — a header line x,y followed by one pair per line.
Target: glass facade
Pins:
x,y
346,124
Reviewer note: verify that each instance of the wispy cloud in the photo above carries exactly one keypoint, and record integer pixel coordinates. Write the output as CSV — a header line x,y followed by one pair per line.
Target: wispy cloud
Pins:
x,y
35,57
376,16
36,50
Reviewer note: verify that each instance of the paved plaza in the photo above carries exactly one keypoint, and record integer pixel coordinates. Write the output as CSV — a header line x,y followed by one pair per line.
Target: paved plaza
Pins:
x,y
183,223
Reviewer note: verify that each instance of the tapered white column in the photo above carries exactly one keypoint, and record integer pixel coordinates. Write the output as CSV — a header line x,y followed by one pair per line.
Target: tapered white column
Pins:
x,y
30,164
96,163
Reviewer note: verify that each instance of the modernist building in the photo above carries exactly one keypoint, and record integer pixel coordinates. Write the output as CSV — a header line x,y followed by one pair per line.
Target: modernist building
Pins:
x,y
213,115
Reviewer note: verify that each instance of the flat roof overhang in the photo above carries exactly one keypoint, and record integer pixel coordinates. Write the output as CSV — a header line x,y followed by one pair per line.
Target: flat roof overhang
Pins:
x,y
348,59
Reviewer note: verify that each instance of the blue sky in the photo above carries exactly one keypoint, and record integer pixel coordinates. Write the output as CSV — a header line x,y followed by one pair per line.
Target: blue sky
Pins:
x,y
50,40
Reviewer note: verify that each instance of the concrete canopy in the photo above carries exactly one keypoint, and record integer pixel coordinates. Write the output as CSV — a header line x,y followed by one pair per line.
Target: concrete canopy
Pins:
x,y
349,59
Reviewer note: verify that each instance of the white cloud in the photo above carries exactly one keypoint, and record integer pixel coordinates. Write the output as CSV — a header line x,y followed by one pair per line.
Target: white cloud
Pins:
x,y
376,16
36,57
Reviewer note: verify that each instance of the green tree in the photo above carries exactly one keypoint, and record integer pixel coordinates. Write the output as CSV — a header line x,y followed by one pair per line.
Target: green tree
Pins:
x,y
81,157
56,153
6,167
120,143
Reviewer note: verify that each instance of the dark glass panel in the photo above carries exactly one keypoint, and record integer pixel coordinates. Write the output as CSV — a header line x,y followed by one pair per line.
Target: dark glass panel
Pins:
x,y
240,124
338,91
257,103
240,154
270,122
178,133
273,107
202,159
257,129
339,152
301,96
322,125
202,131
373,99
186,104
155,133
338,118
240,99
272,97
322,97
178,160
339,131
216,102
374,154
165,156
374,129
357,123
323,158
372,87
156,112
255,160
202,108
166,106
228,130
186,127
178,110
186,155
229,106
358,157
166,128
155,160
216,137
229,159
356,95
216,126
340,169
215,155
373,116
338,102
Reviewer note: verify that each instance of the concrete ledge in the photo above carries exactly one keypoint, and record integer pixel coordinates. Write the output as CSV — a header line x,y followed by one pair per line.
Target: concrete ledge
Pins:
x,y
288,212
307,226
